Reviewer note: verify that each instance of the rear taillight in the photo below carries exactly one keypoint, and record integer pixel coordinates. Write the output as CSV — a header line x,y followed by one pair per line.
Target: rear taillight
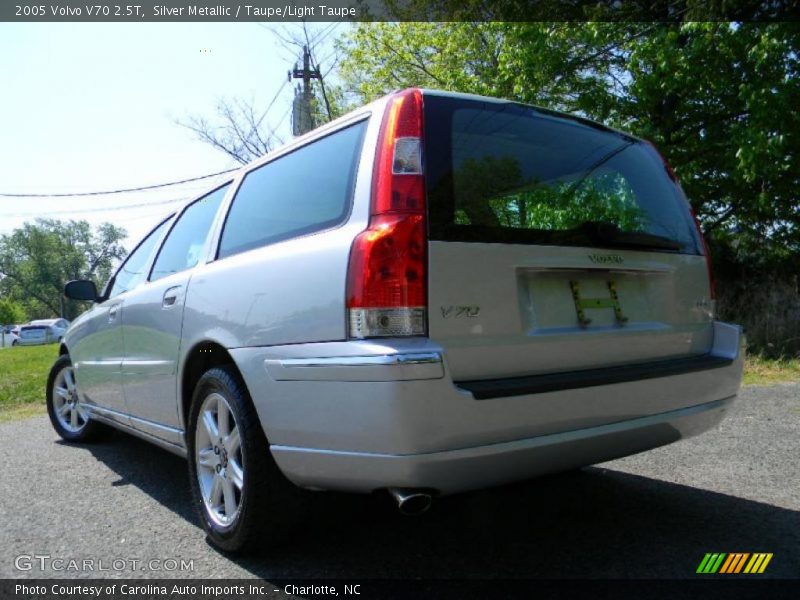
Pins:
x,y
711,282
387,275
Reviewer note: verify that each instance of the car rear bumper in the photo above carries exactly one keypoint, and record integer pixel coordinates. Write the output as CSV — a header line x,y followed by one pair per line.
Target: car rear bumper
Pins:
x,y
365,415
476,467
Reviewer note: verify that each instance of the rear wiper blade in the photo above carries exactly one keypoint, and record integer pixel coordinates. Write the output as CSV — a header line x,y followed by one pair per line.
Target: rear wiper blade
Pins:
x,y
603,231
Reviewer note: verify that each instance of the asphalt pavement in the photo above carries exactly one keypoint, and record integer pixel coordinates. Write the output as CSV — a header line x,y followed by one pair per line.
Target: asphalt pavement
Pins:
x,y
734,489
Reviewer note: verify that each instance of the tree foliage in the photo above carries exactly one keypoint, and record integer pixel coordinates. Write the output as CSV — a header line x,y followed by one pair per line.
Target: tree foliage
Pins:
x,y
37,259
11,312
719,99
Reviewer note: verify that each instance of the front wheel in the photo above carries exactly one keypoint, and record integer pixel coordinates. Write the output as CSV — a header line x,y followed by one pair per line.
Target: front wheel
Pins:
x,y
241,496
69,416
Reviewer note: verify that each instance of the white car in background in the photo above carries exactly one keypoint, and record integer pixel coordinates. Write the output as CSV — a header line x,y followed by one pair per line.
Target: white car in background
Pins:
x,y
42,331
8,338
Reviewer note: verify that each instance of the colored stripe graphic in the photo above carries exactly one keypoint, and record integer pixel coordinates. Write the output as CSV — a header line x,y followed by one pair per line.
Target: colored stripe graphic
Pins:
x,y
741,562
703,563
734,563
711,562
722,563
732,558
758,563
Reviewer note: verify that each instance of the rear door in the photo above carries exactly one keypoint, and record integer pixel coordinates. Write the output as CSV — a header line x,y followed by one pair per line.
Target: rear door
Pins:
x,y
153,319
555,245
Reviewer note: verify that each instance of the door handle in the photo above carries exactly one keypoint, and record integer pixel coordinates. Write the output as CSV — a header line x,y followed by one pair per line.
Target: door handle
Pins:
x,y
171,297
112,313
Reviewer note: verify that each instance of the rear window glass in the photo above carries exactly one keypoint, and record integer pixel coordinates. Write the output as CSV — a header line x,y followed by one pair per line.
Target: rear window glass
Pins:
x,y
509,173
305,191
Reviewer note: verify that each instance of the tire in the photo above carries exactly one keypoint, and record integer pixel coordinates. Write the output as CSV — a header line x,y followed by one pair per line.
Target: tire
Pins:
x,y
242,498
70,418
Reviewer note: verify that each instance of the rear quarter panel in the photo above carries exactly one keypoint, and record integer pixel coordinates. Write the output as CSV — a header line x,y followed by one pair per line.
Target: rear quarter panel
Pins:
x,y
289,292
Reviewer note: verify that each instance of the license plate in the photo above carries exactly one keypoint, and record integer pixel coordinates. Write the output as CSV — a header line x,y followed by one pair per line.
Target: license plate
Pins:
x,y
608,302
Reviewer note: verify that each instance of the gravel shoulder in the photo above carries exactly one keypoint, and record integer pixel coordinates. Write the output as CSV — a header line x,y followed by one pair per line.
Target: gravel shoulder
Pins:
x,y
735,489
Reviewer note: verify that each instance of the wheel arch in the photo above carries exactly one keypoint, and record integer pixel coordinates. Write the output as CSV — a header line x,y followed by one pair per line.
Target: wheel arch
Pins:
x,y
62,349
202,356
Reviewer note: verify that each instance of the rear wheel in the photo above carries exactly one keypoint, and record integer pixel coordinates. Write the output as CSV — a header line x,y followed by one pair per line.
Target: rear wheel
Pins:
x,y
69,416
241,496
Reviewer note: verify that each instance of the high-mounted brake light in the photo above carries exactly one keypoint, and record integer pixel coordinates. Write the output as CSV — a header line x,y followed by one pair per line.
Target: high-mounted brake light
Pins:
x,y
387,275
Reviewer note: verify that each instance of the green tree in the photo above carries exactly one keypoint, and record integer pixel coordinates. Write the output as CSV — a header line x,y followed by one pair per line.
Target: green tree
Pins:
x,y
719,99
11,312
37,259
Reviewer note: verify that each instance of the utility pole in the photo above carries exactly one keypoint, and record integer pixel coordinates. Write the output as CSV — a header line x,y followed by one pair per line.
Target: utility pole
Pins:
x,y
302,113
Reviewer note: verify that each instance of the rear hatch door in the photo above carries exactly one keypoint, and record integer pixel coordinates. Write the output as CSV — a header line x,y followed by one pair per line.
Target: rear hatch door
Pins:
x,y
555,245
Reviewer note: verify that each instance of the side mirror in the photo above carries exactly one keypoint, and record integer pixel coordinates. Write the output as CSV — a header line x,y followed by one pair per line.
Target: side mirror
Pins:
x,y
81,289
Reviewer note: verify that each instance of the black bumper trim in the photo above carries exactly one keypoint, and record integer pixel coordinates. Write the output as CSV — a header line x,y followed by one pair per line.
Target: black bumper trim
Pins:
x,y
485,389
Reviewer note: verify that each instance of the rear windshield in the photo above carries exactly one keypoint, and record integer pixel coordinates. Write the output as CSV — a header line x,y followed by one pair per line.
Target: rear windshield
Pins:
x,y
508,173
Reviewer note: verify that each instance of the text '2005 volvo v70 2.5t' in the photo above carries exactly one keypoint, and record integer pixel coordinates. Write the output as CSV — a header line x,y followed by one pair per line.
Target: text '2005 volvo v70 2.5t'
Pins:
x,y
434,293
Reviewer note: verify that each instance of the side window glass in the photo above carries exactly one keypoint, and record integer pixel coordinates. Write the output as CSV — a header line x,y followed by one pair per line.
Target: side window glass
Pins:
x,y
307,190
181,250
134,270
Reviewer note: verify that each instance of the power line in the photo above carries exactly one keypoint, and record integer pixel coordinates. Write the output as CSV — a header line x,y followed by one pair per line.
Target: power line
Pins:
x,y
122,191
333,27
283,118
278,93
96,210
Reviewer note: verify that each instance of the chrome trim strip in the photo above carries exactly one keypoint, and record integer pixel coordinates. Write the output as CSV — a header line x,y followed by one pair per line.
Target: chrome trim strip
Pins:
x,y
146,363
101,363
161,443
421,358
103,410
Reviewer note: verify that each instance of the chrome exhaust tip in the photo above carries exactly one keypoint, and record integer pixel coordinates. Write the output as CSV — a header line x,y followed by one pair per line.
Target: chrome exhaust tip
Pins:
x,y
411,502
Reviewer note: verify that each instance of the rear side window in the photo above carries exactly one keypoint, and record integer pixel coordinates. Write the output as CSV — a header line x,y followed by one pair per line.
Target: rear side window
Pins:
x,y
509,173
305,191
183,247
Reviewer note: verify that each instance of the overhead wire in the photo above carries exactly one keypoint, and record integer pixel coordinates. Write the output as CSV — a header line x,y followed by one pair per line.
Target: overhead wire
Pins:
x,y
98,209
119,191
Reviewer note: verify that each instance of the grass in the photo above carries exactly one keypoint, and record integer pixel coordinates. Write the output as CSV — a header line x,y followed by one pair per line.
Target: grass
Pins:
x,y
768,371
23,375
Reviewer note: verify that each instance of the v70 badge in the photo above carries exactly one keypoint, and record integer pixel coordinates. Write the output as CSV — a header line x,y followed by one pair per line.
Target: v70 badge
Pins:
x,y
460,311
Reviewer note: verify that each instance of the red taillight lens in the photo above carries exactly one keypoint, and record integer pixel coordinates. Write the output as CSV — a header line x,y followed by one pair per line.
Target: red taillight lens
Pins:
x,y
387,275
711,281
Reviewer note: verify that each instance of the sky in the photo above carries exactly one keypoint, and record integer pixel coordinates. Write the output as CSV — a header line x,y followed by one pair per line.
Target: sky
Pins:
x,y
92,107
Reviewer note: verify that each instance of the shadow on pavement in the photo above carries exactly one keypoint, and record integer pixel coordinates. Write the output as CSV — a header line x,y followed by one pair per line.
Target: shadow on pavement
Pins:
x,y
590,523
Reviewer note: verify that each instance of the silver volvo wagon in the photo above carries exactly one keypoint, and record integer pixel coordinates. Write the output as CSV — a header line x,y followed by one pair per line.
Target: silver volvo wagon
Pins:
x,y
434,293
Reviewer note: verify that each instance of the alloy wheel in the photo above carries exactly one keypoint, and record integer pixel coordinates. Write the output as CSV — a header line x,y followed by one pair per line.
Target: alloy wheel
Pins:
x,y
72,414
218,456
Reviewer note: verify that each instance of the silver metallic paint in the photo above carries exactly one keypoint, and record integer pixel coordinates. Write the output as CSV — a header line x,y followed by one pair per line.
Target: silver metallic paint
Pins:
x,y
341,415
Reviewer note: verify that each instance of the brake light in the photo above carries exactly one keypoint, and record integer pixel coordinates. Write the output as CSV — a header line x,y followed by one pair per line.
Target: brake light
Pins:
x,y
387,274
709,266
711,282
